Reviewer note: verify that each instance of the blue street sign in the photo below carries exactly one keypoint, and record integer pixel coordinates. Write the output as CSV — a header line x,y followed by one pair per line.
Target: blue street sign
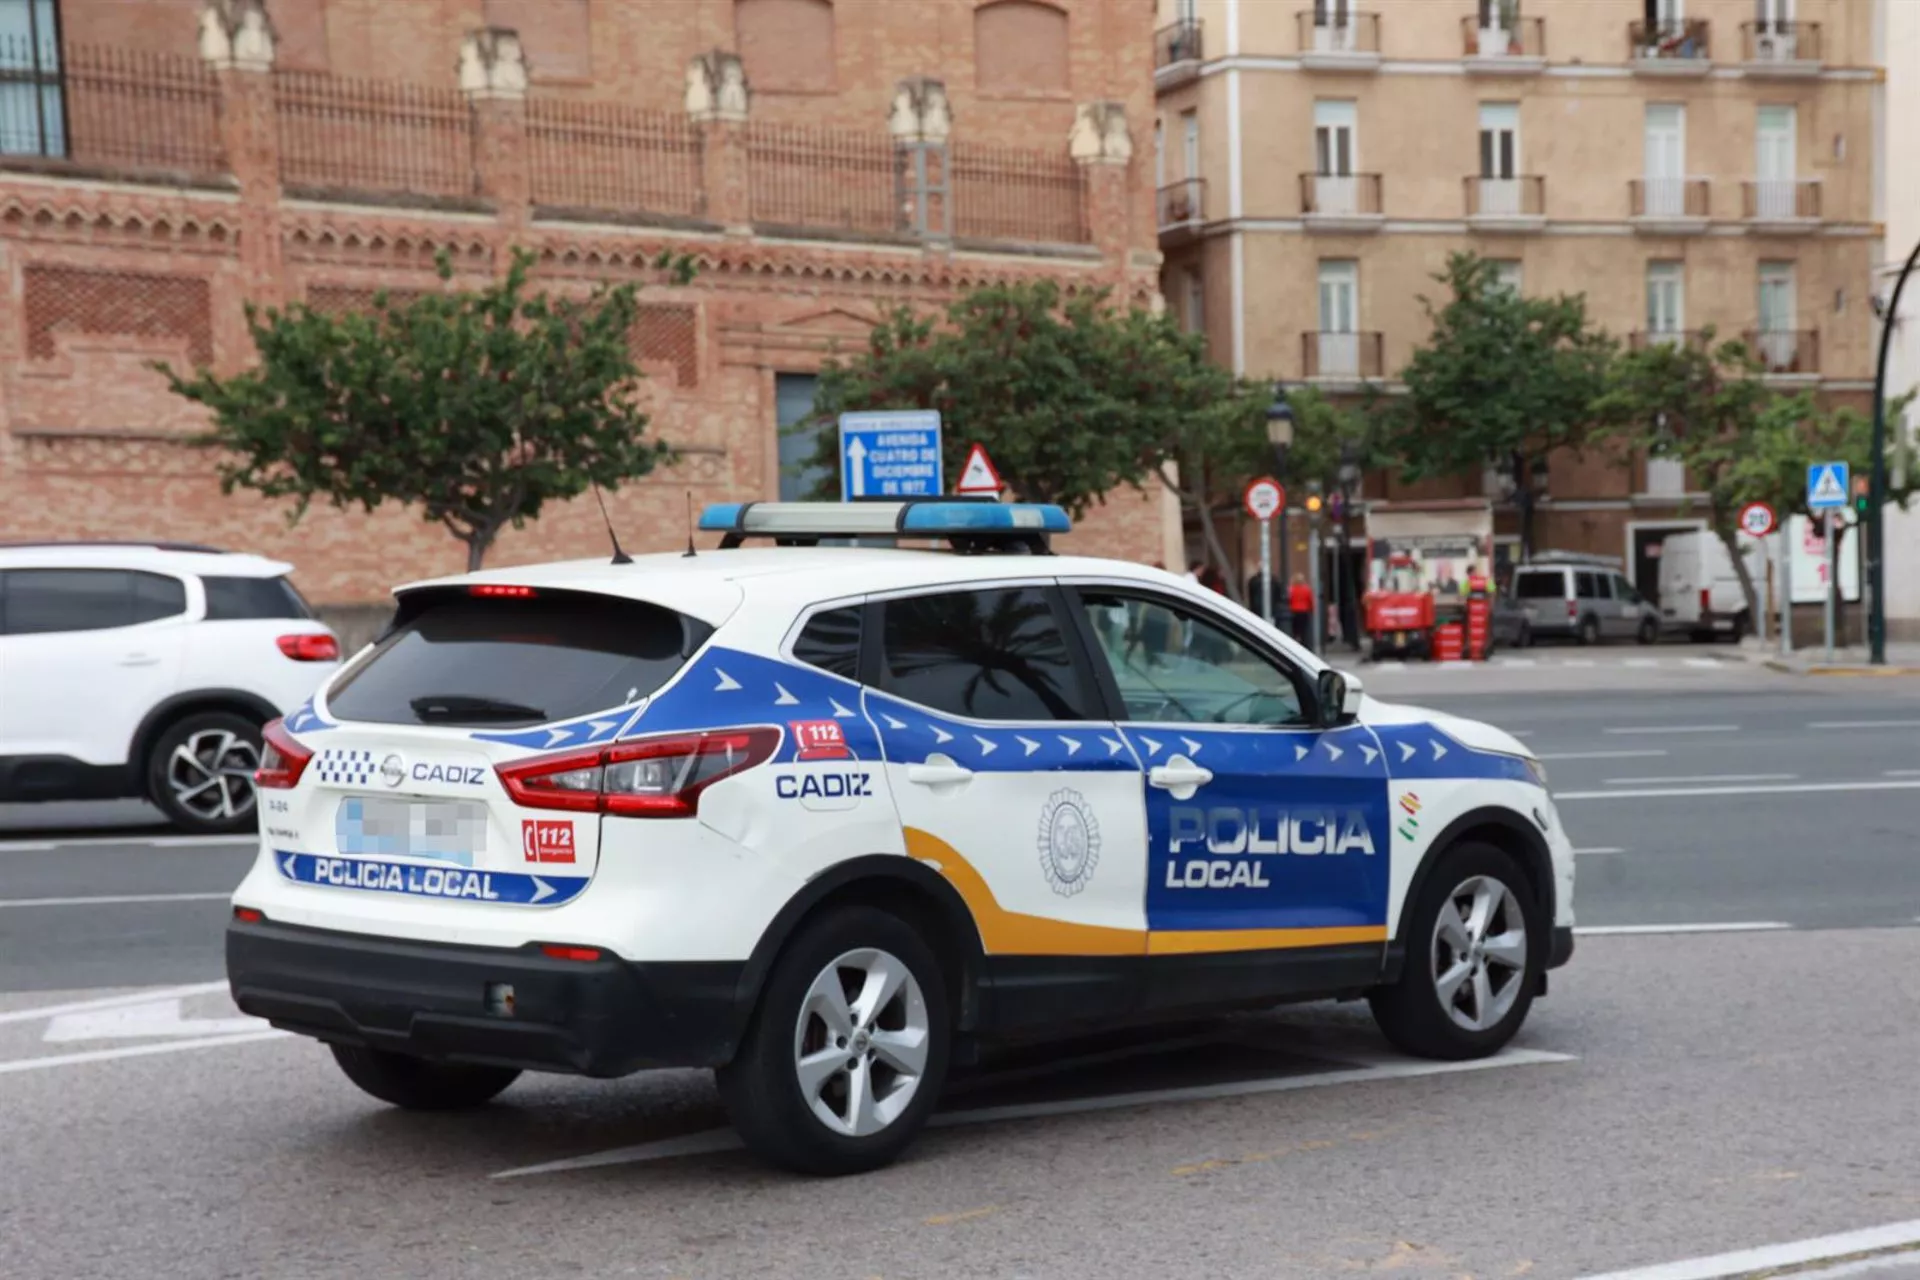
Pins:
x,y
890,454
1826,485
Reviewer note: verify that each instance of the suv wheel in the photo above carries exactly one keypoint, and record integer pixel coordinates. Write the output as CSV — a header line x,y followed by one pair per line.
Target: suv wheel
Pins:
x,y
1525,639
200,772
846,1056
1649,631
1589,632
419,1085
1475,947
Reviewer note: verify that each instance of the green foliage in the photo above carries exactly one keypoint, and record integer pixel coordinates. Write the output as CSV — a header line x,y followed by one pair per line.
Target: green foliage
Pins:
x,y
476,406
1503,379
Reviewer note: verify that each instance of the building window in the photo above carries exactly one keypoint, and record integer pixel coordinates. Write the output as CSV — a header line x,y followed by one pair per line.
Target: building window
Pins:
x,y
1020,47
33,118
786,45
1196,301
1500,158
556,35
1159,153
1666,300
1775,190
1666,159
1506,274
793,401
1190,143
1339,337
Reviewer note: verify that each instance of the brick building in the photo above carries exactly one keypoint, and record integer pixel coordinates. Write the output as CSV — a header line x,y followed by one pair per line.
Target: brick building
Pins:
x,y
164,162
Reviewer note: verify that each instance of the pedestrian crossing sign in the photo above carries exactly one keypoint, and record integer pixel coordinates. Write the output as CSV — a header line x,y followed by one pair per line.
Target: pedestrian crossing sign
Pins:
x,y
1826,485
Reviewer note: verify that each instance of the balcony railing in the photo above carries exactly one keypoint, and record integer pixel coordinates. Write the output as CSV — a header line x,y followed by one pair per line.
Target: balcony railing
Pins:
x,y
1780,41
1524,38
1341,355
1521,197
1785,351
1670,197
1674,40
1642,339
102,105
1329,30
1182,203
610,156
1179,42
1348,195
1780,200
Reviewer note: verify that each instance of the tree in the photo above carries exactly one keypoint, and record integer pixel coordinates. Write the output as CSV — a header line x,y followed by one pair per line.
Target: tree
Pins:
x,y
476,406
1072,397
1502,381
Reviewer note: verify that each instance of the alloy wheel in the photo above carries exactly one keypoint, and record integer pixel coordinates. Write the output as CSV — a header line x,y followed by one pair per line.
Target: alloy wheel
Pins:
x,y
210,775
1479,953
860,1044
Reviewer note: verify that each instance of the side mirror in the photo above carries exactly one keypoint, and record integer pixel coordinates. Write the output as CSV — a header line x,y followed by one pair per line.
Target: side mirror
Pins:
x,y
1339,696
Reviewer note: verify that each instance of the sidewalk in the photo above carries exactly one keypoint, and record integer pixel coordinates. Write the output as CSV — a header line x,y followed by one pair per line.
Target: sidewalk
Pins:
x,y
1903,659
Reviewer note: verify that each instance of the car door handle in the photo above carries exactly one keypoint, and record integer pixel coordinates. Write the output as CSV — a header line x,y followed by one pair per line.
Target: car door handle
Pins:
x,y
1180,776
139,660
938,775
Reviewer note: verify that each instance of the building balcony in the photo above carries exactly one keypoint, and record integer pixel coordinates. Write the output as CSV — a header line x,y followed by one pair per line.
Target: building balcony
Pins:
x,y
1677,48
1785,353
1781,206
1341,202
1339,41
1516,50
1781,50
1342,357
1506,204
1178,51
1181,206
1643,339
1669,206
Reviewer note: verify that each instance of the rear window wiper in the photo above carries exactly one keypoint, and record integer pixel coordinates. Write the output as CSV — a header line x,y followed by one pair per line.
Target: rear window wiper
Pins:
x,y
432,707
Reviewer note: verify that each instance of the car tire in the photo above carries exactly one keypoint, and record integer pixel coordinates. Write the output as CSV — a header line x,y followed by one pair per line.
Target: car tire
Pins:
x,y
1475,1018
1649,632
814,1048
418,1085
200,772
1742,626
1589,631
1525,639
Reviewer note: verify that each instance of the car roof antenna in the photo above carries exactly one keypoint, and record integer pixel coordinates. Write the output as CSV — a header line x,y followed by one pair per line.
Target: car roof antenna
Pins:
x,y
619,556
690,552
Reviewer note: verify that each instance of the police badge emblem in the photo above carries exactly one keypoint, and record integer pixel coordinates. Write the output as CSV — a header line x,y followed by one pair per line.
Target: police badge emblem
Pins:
x,y
1069,842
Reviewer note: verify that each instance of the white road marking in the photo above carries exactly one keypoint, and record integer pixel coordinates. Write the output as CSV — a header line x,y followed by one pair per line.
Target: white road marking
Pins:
x,y
126,842
1718,926
1699,662
1678,728
1903,773
1641,662
1771,789
115,899
134,1051
151,1020
1594,853
1579,662
1602,755
1388,1069
1704,777
1862,724
1517,662
110,1002
1776,1257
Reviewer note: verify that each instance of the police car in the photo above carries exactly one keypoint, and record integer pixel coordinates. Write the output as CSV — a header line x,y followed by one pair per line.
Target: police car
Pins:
x,y
828,818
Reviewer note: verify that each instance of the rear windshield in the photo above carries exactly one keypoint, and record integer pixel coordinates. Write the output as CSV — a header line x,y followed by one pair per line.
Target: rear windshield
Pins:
x,y
453,659
1540,586
229,599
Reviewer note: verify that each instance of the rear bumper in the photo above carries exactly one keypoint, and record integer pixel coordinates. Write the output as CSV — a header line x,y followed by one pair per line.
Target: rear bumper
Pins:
x,y
606,1017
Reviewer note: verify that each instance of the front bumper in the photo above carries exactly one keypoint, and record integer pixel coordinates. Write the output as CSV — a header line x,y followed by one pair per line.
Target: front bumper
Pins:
x,y
1562,950
606,1017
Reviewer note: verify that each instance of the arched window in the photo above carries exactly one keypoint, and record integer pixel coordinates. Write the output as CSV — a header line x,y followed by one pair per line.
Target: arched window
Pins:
x,y
787,45
1020,47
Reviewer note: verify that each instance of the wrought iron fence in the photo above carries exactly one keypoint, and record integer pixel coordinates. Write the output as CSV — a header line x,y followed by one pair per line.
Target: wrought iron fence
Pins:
x,y
1780,40
126,108
1672,39
1178,42
605,155
1010,193
803,176
377,135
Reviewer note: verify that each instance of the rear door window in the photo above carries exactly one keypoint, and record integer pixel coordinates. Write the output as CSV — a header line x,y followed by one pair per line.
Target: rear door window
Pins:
x,y
231,599
994,654
1586,586
45,601
1540,586
831,641
454,659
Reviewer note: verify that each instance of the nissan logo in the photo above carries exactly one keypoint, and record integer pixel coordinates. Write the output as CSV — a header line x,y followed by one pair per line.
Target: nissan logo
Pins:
x,y
393,770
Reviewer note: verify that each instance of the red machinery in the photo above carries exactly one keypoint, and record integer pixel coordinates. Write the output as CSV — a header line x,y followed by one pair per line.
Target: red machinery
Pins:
x,y
1427,563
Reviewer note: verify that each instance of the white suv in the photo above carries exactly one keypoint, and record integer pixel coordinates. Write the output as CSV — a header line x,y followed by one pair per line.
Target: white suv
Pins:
x,y
824,818
147,670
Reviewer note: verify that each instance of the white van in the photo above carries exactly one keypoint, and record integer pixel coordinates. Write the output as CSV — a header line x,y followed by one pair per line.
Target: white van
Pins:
x,y
1699,589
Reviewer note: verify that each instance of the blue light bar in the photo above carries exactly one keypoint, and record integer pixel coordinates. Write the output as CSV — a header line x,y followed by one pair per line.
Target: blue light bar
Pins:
x,y
921,518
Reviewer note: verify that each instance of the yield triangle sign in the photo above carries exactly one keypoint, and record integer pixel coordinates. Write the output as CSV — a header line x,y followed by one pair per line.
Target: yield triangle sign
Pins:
x,y
1828,490
978,476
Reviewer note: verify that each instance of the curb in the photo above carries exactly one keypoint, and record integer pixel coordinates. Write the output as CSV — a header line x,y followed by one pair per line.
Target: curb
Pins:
x,y
1787,668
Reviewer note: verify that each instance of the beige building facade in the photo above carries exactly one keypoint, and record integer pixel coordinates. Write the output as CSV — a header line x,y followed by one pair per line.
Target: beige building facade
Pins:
x,y
1686,164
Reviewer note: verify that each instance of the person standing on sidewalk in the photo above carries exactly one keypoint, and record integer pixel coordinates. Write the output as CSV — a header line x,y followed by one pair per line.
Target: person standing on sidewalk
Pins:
x,y
1300,605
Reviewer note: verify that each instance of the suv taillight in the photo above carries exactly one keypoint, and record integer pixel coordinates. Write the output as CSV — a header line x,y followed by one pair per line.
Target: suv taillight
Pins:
x,y
282,760
1706,601
305,648
651,778
1573,608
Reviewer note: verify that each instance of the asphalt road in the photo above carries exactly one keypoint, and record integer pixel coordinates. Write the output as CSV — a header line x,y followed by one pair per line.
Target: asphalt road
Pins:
x,y
1677,1095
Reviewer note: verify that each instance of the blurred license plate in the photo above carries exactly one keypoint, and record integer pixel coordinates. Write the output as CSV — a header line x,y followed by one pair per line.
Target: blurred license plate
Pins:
x,y
386,826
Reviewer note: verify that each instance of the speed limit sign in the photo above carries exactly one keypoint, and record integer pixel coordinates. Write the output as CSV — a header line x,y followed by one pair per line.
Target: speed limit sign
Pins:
x,y
1264,498
1756,518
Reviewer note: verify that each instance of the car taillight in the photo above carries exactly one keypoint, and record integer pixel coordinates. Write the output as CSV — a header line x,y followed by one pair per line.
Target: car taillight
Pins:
x,y
652,778
1705,595
1573,608
282,760
500,591
320,648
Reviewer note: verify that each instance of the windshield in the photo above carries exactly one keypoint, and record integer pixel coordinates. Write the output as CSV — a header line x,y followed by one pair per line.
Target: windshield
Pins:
x,y
452,659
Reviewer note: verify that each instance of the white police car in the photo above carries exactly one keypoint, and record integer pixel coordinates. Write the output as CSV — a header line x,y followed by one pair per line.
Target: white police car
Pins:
x,y
827,818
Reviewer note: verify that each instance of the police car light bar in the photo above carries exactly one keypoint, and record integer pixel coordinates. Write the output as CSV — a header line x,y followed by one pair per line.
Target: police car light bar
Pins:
x,y
920,518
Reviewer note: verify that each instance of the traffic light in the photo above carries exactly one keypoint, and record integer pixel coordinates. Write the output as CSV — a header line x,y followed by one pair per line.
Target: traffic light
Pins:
x,y
1313,504
1860,491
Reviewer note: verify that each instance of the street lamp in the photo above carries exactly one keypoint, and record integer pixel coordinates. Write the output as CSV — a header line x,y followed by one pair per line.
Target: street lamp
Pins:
x,y
1877,490
1280,440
